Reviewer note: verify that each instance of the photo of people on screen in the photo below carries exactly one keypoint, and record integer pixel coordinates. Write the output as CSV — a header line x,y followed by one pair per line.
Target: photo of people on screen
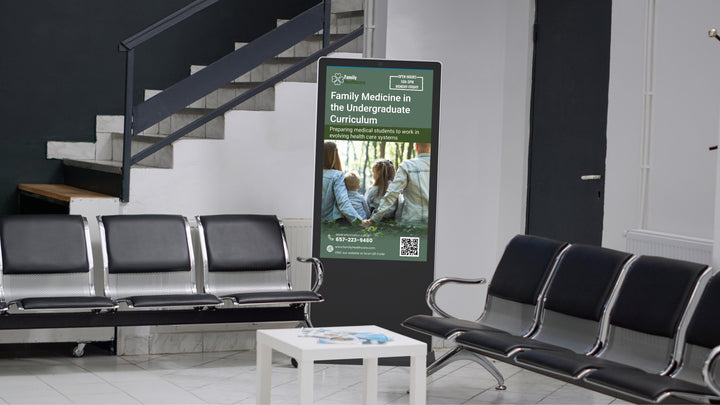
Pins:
x,y
377,194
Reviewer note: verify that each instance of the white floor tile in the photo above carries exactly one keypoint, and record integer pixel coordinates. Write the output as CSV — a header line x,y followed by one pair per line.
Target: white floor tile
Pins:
x,y
105,399
505,397
157,393
225,393
37,399
229,378
81,389
355,397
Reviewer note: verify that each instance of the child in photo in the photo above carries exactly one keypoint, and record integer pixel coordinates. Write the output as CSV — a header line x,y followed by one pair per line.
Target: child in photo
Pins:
x,y
352,183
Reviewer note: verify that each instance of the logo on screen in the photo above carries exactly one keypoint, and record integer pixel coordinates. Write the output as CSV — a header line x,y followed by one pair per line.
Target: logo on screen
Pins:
x,y
338,79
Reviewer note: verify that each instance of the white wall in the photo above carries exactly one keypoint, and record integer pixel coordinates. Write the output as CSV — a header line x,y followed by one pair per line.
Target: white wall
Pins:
x,y
624,125
484,48
683,120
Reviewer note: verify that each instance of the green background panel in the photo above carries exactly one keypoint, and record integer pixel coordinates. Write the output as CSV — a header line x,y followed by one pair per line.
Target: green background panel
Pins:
x,y
373,81
381,243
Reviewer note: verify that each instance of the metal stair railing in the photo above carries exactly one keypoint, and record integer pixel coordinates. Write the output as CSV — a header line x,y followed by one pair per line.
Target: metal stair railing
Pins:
x,y
233,65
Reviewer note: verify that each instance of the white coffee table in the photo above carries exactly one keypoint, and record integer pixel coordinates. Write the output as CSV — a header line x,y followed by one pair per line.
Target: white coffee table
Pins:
x,y
307,350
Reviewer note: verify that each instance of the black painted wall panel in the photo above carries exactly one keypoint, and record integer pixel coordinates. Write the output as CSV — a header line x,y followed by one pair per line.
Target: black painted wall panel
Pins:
x,y
60,67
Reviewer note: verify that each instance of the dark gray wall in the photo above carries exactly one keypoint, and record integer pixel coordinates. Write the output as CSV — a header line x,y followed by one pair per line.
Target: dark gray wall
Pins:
x,y
60,67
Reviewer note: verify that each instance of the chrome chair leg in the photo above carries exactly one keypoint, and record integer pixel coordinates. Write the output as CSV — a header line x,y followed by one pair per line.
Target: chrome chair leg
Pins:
x,y
307,315
459,353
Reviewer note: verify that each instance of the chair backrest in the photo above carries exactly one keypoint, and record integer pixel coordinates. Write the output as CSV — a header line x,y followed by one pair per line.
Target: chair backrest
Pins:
x,y
147,255
520,280
243,253
45,256
652,311
578,297
703,333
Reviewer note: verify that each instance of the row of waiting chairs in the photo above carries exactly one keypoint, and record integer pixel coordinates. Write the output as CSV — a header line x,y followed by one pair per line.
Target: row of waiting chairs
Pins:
x,y
46,263
641,328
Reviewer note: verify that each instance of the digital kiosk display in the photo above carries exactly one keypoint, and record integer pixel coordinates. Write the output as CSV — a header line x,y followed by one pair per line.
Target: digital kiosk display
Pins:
x,y
376,161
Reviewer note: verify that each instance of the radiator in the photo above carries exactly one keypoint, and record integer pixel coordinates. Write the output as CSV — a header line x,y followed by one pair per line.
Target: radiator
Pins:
x,y
652,243
299,237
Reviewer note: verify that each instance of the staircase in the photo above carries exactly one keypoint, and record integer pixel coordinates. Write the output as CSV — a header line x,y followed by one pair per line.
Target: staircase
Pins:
x,y
94,169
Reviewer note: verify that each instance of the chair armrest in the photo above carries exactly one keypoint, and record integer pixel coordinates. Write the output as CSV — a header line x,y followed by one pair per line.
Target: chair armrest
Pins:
x,y
317,268
709,370
433,288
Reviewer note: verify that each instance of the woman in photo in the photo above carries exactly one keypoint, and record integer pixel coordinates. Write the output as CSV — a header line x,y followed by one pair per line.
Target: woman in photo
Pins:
x,y
335,202
383,172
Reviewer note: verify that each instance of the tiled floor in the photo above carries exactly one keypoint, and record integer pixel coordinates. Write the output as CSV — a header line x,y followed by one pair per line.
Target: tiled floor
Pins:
x,y
229,378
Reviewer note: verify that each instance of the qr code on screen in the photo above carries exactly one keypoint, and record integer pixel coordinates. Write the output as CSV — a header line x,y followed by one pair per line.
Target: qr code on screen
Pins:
x,y
409,247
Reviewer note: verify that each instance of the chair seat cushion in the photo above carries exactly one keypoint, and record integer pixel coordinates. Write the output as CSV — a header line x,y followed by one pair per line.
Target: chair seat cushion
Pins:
x,y
51,303
442,327
279,297
564,361
500,342
644,384
173,300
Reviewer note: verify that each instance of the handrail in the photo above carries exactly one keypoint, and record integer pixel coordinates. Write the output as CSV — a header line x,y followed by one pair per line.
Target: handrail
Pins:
x,y
243,97
173,19
225,69
185,92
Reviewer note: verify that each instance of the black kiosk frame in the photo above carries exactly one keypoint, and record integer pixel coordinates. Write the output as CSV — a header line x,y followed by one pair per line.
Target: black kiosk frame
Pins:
x,y
361,288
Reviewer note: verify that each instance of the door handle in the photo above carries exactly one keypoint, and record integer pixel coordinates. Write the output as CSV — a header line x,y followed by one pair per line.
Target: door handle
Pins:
x,y
590,177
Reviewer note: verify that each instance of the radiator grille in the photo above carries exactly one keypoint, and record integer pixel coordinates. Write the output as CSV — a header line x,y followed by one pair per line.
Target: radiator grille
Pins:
x,y
640,241
299,238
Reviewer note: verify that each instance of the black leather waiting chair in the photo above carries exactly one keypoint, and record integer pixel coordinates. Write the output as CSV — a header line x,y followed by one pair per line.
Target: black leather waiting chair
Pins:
x,y
149,262
246,261
575,305
694,380
645,325
513,300
46,264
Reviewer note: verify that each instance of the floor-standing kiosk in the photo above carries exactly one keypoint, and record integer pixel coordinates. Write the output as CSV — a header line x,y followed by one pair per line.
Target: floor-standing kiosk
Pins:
x,y
375,116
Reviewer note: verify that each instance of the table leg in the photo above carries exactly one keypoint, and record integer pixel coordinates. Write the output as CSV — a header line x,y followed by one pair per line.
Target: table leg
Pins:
x,y
264,373
418,380
370,369
305,378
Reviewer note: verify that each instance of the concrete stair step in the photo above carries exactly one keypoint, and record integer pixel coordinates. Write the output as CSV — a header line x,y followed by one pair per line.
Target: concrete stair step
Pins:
x,y
160,159
313,44
270,69
101,176
214,129
346,22
338,6
342,22
264,101
106,166
350,14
